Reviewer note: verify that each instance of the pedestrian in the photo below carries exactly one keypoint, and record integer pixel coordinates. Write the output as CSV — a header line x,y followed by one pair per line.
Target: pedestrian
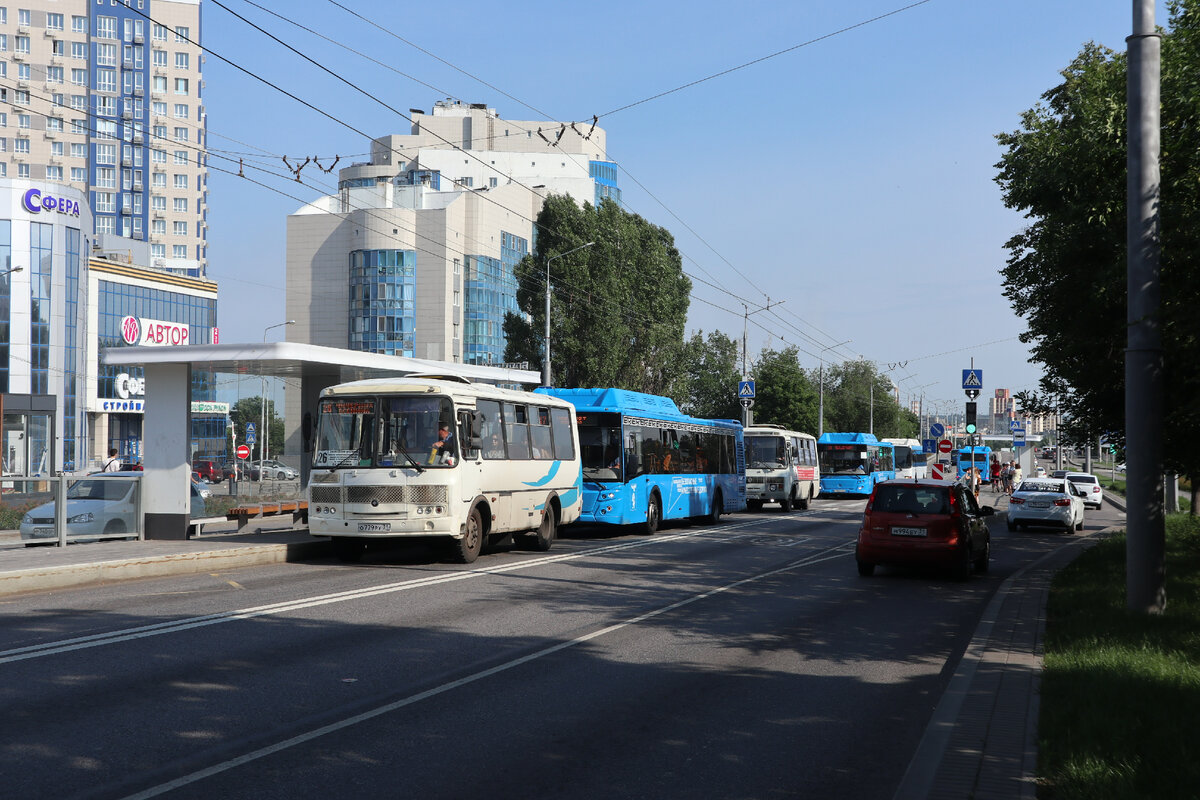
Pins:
x,y
114,461
1016,478
995,474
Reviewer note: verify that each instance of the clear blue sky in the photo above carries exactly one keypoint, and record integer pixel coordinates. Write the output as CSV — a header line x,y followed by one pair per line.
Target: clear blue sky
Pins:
x,y
851,177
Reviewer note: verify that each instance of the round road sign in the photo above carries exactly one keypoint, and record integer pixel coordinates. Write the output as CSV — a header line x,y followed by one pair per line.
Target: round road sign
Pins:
x,y
243,451
945,446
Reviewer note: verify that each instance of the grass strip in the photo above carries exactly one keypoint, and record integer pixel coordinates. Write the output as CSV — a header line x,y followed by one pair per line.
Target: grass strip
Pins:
x,y
1120,692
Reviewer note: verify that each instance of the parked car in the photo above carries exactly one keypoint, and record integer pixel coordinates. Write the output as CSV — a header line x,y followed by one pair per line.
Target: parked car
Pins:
x,y
924,522
274,470
1055,502
1090,484
209,470
101,506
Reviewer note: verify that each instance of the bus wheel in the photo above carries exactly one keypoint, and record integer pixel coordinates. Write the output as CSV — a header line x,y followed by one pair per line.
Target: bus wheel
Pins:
x,y
714,516
806,502
466,549
546,532
788,503
653,516
348,549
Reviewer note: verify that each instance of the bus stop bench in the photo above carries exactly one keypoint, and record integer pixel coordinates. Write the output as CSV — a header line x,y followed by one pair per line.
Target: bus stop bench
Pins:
x,y
243,514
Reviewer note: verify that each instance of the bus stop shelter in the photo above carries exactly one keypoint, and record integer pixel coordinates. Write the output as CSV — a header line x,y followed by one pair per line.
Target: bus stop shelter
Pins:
x,y
166,423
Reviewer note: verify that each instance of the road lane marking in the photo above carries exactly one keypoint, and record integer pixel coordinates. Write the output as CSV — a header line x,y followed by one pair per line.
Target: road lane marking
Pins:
x,y
174,626
829,554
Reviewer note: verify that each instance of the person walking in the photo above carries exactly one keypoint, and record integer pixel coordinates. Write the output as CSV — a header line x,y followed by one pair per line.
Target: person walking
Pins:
x,y
1016,477
114,461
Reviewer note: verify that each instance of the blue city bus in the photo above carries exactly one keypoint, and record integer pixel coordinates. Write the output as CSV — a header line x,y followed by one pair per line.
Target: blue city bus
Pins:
x,y
644,461
852,463
979,456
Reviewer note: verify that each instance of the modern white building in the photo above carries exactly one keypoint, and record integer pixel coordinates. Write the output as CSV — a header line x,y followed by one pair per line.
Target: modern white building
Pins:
x,y
105,97
414,256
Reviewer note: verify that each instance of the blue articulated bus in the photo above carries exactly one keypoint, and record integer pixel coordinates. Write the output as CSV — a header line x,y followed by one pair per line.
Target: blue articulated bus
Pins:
x,y
644,461
852,463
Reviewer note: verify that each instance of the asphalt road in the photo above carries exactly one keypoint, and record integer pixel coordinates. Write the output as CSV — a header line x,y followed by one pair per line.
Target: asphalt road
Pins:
x,y
747,660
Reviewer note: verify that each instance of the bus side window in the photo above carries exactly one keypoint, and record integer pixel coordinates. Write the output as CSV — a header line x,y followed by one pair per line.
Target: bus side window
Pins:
x,y
560,424
669,463
493,430
516,431
539,434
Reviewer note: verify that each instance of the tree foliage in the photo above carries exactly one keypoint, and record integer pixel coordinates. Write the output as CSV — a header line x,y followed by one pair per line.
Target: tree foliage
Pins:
x,y
858,398
1066,272
785,395
249,409
710,377
618,307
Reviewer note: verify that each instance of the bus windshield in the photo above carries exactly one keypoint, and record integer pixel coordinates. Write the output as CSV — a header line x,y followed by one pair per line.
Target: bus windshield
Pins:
x,y
398,431
766,452
844,460
600,446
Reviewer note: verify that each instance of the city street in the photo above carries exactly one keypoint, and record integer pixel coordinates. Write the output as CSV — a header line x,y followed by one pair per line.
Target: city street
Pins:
x,y
743,660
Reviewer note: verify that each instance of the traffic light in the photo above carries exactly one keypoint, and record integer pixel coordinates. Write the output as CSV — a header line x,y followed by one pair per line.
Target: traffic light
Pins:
x,y
972,425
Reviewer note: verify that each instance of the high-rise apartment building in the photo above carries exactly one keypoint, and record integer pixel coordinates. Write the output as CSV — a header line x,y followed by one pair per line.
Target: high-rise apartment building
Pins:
x,y
414,255
1002,411
104,96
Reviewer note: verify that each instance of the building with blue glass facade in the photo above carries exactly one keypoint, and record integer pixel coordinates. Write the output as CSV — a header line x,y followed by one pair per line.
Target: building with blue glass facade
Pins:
x,y
62,300
415,254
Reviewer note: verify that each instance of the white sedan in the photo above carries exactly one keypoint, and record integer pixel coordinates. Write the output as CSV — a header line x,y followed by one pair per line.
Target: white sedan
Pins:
x,y
1053,502
1091,485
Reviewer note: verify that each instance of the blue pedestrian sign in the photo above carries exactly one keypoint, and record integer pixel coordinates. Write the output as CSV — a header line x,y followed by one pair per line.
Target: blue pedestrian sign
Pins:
x,y
1015,425
251,438
250,429
936,430
972,379
746,389
928,446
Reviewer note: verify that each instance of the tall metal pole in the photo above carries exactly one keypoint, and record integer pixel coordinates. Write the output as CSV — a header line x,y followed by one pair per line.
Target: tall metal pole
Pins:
x,y
1145,542
262,442
546,351
821,402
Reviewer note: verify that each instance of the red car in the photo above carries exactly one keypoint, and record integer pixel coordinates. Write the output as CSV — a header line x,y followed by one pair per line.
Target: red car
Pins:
x,y
209,470
924,522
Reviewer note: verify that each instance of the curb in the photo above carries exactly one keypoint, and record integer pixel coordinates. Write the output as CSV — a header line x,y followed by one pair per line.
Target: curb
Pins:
x,y
69,576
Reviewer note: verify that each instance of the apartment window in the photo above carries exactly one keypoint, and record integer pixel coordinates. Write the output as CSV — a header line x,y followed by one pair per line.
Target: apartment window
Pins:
x,y
56,149
54,22
79,127
78,150
181,158
106,202
57,48
160,84
181,111
79,77
3,69
106,178
180,205
54,173
58,99
181,134
21,97
3,144
106,129
106,80
106,55
158,251
3,42
159,180
79,102
126,179
159,58
24,120
23,17
159,32
159,108
181,33
181,181
158,227
181,61
492,183
3,119
181,86
78,174
106,106
3,15
54,74
158,156
54,124
106,27
106,154
179,251
158,203
106,225
23,44
79,24
23,71
22,170
160,131
21,145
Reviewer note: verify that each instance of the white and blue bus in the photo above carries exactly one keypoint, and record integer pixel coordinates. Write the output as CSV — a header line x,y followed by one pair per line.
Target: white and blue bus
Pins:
x,y
644,461
911,461
852,463
441,457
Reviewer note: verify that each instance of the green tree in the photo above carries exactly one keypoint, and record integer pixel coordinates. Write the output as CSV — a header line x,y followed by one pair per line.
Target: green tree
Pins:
x,y
1066,270
785,395
710,369
858,398
249,409
618,307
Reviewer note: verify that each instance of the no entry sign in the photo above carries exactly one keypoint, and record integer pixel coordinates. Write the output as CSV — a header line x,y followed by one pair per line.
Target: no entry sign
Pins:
x,y
243,451
945,446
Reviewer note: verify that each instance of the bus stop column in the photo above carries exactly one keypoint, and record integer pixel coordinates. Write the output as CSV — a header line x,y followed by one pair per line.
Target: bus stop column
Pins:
x,y
166,484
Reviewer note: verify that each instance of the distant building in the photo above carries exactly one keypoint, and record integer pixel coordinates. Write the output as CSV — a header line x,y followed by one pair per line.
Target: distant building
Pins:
x,y
415,254
1001,411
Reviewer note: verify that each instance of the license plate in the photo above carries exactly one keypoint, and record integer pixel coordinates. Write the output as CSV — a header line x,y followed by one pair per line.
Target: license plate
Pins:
x,y
1036,504
909,532
374,527
43,531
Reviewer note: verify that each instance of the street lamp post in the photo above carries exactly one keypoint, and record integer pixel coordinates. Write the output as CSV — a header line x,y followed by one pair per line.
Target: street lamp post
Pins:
x,y
262,442
546,355
821,381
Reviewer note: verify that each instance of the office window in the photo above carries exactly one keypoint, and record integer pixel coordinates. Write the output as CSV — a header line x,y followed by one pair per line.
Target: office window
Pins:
x,y
180,205
181,86
159,58
181,61
54,22
158,227
79,24
181,111
181,181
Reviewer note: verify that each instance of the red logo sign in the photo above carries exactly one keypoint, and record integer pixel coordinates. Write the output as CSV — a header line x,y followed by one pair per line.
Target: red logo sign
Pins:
x,y
216,335
131,330
243,451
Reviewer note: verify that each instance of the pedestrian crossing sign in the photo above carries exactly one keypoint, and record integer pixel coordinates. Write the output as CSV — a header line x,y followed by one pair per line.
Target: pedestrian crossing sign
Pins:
x,y
746,389
972,379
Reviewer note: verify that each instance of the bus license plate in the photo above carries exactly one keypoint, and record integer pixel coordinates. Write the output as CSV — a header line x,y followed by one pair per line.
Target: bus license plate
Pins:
x,y
374,527
908,532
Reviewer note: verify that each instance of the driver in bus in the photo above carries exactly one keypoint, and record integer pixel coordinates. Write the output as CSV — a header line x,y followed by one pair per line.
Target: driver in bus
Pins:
x,y
442,451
